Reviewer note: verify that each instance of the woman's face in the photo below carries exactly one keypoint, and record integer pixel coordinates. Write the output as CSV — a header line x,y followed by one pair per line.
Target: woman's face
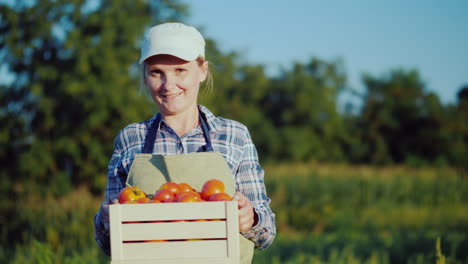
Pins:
x,y
174,83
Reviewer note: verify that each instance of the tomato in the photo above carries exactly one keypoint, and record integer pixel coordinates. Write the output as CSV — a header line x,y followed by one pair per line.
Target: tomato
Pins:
x,y
180,194
211,187
185,187
163,195
171,186
130,193
198,195
220,197
188,197
143,200
153,201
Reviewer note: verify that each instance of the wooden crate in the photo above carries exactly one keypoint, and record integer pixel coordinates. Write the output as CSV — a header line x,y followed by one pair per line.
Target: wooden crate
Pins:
x,y
202,232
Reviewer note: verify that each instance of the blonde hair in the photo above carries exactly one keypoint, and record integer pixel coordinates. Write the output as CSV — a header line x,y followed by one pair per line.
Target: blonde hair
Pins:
x,y
206,85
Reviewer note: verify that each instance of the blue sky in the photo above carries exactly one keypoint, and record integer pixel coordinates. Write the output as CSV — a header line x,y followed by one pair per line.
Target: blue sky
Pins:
x,y
369,36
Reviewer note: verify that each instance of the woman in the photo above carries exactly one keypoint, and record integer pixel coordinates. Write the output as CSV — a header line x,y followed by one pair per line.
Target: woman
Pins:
x,y
174,66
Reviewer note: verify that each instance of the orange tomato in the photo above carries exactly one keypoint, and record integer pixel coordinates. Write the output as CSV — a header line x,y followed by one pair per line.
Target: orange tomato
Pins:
x,y
211,187
153,201
171,186
130,193
163,195
185,187
220,197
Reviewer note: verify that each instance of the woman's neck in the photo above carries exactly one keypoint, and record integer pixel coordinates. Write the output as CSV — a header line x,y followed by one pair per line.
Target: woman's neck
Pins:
x,y
183,122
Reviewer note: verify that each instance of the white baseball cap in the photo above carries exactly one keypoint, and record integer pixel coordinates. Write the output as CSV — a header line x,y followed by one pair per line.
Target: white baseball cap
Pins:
x,y
174,39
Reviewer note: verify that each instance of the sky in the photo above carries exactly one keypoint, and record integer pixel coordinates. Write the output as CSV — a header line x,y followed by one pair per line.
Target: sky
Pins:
x,y
369,36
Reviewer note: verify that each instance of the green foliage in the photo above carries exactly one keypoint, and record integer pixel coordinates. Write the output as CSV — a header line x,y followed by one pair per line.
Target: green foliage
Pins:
x,y
37,252
402,121
456,128
440,258
292,117
325,214
343,214
53,230
75,87
76,84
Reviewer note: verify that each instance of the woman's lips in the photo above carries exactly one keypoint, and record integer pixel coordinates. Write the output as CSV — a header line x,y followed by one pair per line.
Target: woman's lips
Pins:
x,y
170,95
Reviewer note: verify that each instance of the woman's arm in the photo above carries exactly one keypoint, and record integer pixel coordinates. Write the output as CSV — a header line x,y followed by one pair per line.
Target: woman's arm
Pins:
x,y
249,181
115,182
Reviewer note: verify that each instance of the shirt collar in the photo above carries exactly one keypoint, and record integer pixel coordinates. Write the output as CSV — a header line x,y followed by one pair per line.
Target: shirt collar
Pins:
x,y
212,121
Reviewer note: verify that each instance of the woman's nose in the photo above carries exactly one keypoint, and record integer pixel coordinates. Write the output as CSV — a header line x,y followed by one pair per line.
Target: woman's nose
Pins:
x,y
169,81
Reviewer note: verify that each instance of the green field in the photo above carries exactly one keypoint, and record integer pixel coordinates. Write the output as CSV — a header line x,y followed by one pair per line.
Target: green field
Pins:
x,y
324,214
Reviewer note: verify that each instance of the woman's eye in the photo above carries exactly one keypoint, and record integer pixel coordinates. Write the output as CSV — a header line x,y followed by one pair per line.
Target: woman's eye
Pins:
x,y
155,72
180,70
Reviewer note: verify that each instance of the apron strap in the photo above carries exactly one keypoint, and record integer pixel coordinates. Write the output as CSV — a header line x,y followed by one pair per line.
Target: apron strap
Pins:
x,y
206,133
151,136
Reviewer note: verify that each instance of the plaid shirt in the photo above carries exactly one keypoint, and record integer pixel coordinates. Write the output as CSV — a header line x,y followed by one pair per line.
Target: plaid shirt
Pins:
x,y
230,138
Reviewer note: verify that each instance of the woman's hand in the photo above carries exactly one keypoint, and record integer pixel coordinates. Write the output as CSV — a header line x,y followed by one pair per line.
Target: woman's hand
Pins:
x,y
247,215
105,211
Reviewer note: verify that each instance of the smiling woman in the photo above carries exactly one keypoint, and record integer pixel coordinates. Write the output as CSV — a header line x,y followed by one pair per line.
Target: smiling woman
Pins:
x,y
174,66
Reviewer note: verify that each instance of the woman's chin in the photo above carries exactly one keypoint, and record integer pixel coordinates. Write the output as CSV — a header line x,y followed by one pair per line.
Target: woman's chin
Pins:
x,y
171,109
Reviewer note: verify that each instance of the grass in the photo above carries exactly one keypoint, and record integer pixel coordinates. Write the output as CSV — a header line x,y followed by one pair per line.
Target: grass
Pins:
x,y
325,213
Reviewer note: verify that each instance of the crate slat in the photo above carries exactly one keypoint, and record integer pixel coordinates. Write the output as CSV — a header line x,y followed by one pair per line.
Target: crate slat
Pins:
x,y
175,230
173,211
180,250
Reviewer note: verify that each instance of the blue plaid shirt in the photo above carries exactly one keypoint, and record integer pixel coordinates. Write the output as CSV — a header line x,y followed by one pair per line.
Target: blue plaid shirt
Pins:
x,y
228,137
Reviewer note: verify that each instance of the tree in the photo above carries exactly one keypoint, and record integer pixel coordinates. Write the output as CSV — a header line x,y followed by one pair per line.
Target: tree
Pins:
x,y
301,104
292,116
75,85
401,120
456,126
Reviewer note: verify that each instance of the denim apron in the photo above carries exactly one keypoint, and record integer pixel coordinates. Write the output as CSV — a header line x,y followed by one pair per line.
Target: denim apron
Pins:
x,y
149,172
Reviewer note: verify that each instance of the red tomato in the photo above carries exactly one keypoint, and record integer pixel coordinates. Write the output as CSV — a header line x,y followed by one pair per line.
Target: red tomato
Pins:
x,y
163,195
185,187
220,197
211,187
171,186
188,197
143,200
180,194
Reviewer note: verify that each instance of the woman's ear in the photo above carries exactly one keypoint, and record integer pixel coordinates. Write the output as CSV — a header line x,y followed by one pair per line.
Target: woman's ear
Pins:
x,y
204,69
